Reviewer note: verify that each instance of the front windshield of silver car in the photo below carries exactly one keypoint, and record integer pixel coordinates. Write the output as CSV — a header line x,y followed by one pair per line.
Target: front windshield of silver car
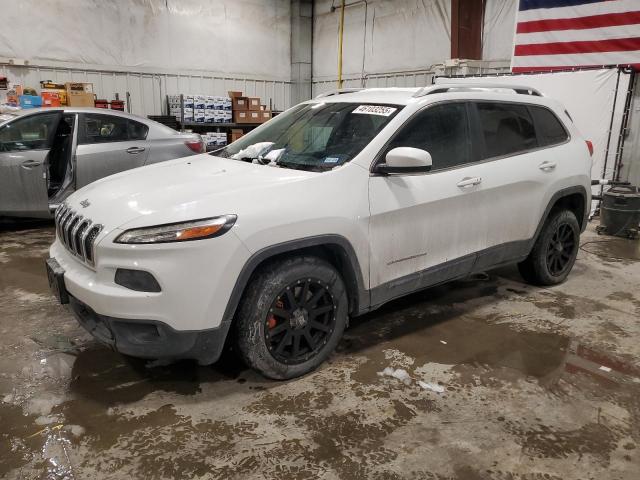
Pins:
x,y
313,136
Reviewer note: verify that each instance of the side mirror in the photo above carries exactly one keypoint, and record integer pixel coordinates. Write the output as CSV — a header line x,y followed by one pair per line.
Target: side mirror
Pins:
x,y
405,160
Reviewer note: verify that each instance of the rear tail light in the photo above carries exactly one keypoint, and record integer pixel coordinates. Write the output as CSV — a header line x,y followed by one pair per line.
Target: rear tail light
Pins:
x,y
195,145
590,147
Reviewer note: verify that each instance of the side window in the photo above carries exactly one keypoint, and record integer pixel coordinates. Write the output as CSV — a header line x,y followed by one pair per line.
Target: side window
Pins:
x,y
137,130
507,128
98,128
550,130
33,132
441,130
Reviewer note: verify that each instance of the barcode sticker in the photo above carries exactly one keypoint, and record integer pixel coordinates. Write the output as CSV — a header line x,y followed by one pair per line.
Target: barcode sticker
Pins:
x,y
375,110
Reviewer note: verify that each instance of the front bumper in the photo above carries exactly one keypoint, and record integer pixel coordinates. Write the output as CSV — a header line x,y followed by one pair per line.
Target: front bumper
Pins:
x,y
151,339
196,280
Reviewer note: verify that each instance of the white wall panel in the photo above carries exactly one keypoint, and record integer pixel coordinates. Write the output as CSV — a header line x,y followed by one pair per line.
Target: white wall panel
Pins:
x,y
251,37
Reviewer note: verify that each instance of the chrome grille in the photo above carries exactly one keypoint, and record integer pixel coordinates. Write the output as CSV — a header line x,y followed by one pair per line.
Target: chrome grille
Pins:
x,y
77,233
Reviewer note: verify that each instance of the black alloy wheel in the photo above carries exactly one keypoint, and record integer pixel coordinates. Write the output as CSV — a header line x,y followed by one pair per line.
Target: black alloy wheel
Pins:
x,y
300,321
291,316
561,249
555,250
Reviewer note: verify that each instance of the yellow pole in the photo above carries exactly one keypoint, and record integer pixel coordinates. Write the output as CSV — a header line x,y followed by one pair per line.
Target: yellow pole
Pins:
x,y
340,35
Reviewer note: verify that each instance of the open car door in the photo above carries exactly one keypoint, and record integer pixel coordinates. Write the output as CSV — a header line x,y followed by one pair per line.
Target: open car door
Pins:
x,y
24,146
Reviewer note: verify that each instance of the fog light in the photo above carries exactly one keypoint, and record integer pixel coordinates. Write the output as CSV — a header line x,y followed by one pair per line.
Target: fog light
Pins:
x,y
137,280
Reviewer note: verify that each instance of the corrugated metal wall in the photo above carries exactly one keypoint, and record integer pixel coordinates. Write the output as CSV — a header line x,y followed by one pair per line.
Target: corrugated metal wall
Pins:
x,y
409,78
148,90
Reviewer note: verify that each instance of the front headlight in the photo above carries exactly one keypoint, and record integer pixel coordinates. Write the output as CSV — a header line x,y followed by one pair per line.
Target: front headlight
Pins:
x,y
179,232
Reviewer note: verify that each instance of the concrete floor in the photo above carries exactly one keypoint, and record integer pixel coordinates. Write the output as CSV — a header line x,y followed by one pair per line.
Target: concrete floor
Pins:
x,y
539,384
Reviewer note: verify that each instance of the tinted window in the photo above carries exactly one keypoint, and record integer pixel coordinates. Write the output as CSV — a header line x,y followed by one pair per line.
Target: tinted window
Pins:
x,y
550,130
137,130
507,128
442,131
33,132
104,128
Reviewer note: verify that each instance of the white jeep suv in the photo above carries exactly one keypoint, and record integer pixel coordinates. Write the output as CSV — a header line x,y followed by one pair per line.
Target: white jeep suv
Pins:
x,y
329,210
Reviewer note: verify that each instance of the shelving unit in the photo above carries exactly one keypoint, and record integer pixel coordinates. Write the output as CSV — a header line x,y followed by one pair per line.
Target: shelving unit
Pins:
x,y
220,125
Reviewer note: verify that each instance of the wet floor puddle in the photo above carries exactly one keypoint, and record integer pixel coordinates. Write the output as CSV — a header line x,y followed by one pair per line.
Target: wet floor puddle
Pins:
x,y
614,249
477,353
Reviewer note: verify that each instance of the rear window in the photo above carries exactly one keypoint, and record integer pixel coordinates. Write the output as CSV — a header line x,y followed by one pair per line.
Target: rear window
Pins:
x,y
507,128
550,130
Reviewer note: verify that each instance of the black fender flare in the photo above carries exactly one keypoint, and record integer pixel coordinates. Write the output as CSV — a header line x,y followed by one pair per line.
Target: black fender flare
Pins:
x,y
565,192
352,274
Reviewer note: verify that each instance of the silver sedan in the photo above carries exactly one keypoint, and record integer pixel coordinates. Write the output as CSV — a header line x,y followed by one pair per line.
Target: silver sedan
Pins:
x,y
46,154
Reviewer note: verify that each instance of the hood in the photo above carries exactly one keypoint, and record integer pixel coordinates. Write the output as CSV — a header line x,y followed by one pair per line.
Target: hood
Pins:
x,y
184,189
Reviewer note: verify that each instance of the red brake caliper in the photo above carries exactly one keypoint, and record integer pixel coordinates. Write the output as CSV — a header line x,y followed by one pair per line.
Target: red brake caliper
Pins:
x,y
271,320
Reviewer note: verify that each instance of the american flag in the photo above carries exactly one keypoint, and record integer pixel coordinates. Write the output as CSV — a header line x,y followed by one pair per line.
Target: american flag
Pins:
x,y
563,34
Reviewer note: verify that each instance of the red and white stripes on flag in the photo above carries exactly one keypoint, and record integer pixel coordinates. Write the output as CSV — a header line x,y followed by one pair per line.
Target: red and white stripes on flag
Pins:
x,y
564,34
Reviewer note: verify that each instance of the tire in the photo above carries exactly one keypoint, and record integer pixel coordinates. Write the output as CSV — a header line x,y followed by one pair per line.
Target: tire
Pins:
x,y
552,258
273,307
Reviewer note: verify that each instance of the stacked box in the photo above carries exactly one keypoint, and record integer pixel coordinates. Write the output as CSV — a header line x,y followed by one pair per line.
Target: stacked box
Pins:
x,y
200,108
199,102
210,141
214,140
188,114
218,116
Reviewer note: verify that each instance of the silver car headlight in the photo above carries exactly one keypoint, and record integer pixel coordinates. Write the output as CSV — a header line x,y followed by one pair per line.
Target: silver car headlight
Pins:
x,y
179,232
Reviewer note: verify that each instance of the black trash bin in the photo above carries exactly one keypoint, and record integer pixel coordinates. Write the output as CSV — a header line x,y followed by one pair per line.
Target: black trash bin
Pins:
x,y
620,211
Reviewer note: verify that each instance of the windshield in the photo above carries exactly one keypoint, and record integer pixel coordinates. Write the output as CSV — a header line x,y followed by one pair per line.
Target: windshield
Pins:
x,y
316,137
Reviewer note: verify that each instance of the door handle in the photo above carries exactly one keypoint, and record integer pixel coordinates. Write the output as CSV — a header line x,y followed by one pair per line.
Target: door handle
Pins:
x,y
547,166
29,164
469,182
135,150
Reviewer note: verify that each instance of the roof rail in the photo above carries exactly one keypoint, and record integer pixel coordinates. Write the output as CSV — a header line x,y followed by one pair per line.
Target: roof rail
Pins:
x,y
446,87
338,92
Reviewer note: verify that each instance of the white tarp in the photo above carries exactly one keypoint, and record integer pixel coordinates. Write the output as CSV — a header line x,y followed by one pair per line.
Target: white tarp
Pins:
x,y
588,95
247,37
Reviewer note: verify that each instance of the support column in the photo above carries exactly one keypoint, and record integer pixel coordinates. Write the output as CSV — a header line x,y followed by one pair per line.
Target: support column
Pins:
x,y
301,48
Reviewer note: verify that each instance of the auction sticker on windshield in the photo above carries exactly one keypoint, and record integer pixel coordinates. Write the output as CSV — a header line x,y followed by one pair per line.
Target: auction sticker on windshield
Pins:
x,y
375,110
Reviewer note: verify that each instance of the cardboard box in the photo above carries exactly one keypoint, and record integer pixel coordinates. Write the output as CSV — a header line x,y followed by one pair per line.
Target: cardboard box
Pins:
x,y
253,103
227,103
236,133
188,114
233,94
239,103
265,115
80,99
246,116
62,94
263,107
199,115
50,99
79,87
209,116
199,101
188,101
